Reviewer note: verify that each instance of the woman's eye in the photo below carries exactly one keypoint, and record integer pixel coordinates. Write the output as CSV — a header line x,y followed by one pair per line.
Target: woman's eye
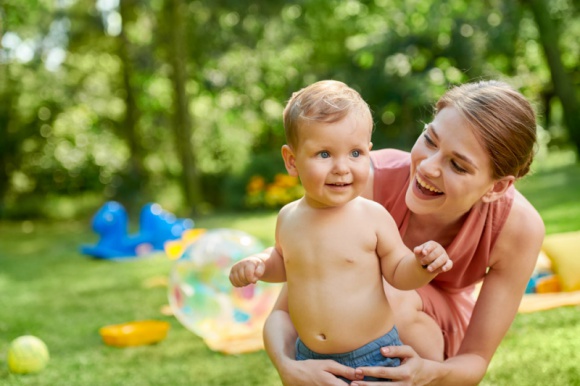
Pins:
x,y
355,153
458,168
429,140
324,154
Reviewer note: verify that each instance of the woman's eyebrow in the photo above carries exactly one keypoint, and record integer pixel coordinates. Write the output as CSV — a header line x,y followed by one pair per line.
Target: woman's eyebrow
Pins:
x,y
433,131
465,159
431,128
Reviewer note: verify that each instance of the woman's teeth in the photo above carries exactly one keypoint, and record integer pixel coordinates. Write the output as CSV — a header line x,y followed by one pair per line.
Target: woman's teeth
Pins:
x,y
425,185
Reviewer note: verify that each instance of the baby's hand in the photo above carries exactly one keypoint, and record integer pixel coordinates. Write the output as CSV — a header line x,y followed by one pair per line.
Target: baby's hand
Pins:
x,y
433,257
247,271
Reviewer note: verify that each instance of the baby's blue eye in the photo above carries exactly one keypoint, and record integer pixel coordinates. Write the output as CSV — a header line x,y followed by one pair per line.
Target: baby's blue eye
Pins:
x,y
355,153
324,154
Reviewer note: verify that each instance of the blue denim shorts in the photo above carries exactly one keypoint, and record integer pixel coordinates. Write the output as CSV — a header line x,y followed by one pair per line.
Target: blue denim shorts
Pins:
x,y
367,355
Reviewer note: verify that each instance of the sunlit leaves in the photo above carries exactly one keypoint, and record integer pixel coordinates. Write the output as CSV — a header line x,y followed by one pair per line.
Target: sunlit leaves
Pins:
x,y
244,59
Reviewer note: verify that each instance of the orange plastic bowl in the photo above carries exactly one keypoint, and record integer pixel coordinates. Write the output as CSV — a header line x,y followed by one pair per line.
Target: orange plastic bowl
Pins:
x,y
134,333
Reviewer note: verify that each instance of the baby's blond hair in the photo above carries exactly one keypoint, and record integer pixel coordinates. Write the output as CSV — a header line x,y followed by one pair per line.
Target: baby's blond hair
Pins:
x,y
325,101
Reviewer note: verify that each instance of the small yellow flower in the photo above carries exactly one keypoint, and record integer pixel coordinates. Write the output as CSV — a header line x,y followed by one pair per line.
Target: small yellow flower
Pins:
x,y
256,184
285,180
283,190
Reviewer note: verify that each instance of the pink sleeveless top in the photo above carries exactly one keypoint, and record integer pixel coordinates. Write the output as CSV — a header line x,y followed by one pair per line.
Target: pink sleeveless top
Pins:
x,y
471,248
447,299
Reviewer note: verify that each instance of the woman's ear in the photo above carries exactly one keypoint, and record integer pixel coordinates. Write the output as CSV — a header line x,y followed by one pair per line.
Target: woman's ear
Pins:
x,y
289,160
498,189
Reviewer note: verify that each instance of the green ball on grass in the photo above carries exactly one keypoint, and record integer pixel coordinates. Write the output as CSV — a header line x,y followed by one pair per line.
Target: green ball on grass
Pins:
x,y
27,354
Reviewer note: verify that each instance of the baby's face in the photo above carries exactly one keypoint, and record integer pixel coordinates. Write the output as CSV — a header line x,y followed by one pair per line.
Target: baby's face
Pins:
x,y
333,160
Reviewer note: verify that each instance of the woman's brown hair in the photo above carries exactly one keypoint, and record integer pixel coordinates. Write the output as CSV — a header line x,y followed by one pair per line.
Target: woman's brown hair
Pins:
x,y
503,120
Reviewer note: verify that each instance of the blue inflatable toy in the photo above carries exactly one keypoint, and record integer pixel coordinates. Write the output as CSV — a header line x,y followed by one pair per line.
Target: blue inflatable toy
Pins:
x,y
111,223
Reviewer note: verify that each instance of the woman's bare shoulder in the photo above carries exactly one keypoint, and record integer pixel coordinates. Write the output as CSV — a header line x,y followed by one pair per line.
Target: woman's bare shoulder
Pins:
x,y
524,218
522,234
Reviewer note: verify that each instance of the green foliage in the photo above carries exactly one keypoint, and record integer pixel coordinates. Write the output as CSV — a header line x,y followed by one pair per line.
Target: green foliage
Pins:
x,y
67,68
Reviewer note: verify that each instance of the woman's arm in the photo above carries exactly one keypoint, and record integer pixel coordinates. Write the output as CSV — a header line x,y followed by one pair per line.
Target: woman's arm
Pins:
x,y
279,340
279,333
511,264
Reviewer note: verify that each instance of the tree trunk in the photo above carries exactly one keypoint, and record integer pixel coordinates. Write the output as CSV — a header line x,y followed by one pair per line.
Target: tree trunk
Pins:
x,y
190,180
563,86
135,178
7,145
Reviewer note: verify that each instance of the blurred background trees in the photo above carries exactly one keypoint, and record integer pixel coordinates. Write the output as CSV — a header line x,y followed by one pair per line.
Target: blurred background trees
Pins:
x,y
180,101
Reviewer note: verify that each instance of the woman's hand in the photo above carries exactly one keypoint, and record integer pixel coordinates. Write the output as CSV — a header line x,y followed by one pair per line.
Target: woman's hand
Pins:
x,y
410,372
315,373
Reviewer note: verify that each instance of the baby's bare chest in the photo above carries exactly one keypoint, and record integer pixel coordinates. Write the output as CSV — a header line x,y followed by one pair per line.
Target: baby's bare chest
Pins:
x,y
321,242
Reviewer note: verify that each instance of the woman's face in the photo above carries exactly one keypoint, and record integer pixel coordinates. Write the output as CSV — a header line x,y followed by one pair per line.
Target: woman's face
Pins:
x,y
450,169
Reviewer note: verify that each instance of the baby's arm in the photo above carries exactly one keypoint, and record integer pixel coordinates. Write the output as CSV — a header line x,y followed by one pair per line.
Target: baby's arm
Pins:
x,y
267,266
402,268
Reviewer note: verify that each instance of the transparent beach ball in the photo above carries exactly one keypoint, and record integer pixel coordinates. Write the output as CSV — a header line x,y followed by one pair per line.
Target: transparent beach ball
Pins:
x,y
202,297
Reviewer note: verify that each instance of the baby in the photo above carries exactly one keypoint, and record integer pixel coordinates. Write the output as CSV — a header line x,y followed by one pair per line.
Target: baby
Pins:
x,y
333,247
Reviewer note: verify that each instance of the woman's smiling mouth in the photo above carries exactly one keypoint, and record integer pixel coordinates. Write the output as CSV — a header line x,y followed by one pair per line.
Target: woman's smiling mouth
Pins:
x,y
426,188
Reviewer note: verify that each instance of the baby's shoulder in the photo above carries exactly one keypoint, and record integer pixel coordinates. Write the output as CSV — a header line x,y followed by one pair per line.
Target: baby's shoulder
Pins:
x,y
369,204
371,208
288,210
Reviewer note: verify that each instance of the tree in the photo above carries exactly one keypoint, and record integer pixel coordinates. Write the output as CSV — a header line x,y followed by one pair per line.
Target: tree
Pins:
x,y
563,84
182,128
8,146
135,177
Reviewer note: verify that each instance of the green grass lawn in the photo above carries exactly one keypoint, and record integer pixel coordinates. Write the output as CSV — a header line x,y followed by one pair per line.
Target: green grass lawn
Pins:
x,y
49,289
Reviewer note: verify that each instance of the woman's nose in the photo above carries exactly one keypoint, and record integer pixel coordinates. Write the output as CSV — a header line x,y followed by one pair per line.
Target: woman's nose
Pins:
x,y
431,166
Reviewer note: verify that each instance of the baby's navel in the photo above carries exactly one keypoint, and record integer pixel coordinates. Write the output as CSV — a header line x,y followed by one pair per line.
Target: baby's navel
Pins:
x,y
321,336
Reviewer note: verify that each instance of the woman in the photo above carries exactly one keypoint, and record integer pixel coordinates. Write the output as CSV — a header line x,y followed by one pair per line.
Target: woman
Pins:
x,y
455,187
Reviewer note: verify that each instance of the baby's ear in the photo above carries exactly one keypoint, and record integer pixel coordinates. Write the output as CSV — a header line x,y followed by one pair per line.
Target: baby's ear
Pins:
x,y
498,189
289,160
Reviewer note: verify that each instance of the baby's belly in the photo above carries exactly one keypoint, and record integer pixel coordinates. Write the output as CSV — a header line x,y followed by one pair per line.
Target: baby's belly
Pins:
x,y
339,322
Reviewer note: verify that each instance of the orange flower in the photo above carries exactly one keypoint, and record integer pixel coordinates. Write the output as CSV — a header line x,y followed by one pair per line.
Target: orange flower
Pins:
x,y
283,190
285,180
256,184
